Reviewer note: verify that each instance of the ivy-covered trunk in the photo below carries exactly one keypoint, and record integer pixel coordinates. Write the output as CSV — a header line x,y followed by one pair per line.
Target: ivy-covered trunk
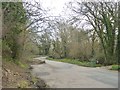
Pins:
x,y
118,44
14,19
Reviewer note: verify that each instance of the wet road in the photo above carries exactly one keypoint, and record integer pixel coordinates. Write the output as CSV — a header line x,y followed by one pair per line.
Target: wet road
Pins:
x,y
64,75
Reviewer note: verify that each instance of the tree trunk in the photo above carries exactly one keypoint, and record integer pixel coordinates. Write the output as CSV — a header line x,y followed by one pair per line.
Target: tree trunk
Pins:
x,y
118,44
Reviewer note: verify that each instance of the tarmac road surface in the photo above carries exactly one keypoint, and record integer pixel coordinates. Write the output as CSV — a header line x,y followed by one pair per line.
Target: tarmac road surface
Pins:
x,y
64,75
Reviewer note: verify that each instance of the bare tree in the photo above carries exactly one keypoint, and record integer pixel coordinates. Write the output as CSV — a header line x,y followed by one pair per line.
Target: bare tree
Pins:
x,y
102,17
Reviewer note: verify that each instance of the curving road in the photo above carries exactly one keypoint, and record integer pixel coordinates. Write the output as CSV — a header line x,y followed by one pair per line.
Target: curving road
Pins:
x,y
64,75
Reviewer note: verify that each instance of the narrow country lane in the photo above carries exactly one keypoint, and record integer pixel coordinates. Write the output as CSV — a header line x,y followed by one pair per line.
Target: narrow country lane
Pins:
x,y
64,75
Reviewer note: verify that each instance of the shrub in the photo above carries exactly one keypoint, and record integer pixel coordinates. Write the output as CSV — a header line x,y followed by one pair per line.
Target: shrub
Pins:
x,y
115,67
100,58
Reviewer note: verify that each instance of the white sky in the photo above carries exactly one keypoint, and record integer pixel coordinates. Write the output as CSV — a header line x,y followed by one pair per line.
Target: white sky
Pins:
x,y
56,6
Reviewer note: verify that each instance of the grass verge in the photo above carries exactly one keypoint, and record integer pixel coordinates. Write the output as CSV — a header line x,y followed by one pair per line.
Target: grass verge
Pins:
x,y
115,67
77,62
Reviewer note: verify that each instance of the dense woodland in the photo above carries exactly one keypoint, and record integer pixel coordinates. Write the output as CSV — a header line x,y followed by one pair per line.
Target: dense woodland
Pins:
x,y
29,30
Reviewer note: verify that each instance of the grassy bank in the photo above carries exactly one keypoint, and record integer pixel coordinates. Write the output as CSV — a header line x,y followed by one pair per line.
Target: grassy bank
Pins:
x,y
115,67
77,62
84,63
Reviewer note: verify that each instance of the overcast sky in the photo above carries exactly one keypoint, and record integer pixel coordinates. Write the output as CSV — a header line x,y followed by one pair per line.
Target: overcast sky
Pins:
x,y
56,6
